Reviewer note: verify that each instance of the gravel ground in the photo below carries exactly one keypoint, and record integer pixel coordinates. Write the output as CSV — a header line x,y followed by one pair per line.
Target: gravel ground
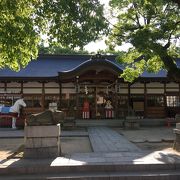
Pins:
x,y
9,147
71,145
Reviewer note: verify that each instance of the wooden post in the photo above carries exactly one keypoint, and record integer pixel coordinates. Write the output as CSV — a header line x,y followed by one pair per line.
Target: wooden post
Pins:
x,y
145,100
5,86
21,87
43,95
116,97
179,92
96,110
5,89
165,100
77,97
129,96
60,94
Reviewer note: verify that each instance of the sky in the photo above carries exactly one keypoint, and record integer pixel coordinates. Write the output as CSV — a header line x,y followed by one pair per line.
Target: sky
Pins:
x,y
100,44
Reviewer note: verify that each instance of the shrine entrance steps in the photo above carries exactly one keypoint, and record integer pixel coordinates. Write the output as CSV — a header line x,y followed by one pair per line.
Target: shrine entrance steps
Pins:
x,y
99,122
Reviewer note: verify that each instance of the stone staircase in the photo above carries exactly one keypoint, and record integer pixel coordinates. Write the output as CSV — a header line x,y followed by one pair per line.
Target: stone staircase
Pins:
x,y
99,122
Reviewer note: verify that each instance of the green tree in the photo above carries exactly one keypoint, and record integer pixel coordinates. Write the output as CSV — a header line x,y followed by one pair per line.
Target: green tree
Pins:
x,y
152,27
176,1
70,23
56,49
111,52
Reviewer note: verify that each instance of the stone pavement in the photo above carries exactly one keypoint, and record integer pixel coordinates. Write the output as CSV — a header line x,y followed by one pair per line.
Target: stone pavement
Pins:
x,y
104,139
117,156
109,147
153,134
117,149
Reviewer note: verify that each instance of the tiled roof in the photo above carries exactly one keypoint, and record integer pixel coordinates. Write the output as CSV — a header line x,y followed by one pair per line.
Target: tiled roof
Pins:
x,y
51,65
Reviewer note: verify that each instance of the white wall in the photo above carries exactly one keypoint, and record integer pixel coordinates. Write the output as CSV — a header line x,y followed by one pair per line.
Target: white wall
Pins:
x,y
32,91
155,91
32,84
52,91
137,91
69,88
68,85
51,84
69,91
155,84
13,90
13,84
123,91
137,84
172,85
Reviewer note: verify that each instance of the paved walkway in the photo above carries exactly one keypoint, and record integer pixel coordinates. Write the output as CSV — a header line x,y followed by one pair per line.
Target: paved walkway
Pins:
x,y
104,139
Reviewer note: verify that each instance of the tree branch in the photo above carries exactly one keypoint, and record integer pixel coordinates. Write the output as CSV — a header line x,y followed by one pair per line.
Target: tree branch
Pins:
x,y
111,23
166,46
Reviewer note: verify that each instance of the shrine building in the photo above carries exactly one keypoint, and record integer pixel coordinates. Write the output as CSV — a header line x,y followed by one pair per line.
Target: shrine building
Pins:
x,y
84,86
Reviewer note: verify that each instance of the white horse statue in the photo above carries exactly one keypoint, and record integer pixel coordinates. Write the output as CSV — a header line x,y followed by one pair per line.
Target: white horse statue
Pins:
x,y
15,109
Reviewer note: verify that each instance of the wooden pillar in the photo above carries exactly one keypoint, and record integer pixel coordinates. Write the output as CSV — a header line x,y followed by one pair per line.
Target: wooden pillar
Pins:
x,y
116,99
60,94
145,100
77,97
5,90
5,86
129,97
43,95
165,100
96,110
179,92
22,87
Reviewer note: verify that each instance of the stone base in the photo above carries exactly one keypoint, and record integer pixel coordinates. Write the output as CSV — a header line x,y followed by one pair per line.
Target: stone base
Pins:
x,y
131,125
38,153
42,141
176,145
131,122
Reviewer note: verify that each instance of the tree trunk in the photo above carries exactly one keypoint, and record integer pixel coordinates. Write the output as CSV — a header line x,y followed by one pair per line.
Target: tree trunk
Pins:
x,y
170,66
